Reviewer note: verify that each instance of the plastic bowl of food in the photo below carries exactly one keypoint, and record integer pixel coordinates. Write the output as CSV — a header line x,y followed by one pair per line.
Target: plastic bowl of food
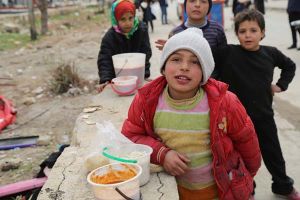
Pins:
x,y
116,181
124,85
131,153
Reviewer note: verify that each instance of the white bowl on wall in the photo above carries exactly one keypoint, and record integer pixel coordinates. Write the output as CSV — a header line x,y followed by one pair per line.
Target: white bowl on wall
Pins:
x,y
124,85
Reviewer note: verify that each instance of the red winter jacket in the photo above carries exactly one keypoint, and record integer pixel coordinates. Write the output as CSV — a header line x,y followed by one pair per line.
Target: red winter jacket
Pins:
x,y
7,113
234,144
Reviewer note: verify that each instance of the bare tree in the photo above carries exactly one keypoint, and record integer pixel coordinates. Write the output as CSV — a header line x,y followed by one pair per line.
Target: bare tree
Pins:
x,y
43,7
31,18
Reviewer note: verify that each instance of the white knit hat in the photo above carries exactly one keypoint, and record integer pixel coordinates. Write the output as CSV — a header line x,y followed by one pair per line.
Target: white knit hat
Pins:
x,y
190,39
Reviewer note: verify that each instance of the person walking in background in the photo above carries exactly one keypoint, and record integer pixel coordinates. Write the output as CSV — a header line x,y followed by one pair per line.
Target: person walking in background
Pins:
x,y
248,69
260,5
197,11
127,35
293,11
240,5
163,7
226,3
148,15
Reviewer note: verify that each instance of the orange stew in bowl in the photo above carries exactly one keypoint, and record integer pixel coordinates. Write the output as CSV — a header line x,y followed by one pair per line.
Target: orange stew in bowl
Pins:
x,y
114,176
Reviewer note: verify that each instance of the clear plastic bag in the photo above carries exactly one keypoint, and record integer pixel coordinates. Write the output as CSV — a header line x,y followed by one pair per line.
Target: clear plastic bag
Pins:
x,y
107,135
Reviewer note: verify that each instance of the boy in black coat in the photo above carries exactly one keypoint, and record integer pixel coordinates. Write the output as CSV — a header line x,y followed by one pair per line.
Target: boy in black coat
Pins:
x,y
248,70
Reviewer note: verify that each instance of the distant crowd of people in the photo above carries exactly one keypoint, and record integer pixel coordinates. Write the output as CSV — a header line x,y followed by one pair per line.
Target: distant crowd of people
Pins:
x,y
209,116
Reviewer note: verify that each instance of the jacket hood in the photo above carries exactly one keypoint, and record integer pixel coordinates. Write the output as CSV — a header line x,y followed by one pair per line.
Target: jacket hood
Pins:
x,y
215,89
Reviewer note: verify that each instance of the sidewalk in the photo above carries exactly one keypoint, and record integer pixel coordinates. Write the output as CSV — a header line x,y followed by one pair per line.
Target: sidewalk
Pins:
x,y
276,5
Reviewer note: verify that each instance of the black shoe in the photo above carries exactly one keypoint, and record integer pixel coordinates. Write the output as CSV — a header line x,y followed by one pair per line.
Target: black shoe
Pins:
x,y
298,49
293,46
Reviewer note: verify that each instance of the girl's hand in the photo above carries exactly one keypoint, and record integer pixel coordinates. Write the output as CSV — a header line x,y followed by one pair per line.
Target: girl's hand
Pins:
x,y
275,89
101,87
160,43
175,163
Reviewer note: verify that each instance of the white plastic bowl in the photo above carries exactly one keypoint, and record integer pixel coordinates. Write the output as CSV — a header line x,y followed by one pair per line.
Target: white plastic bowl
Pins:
x,y
125,154
124,85
130,187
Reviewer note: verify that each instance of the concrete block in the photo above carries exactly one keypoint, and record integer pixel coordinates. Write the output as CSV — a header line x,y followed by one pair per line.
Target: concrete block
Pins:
x,y
67,180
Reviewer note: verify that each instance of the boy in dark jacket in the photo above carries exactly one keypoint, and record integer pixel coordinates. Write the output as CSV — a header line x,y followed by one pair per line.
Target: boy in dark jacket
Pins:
x,y
248,69
127,35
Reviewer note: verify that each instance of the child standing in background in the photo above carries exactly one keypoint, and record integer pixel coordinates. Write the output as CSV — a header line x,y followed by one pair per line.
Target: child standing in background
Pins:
x,y
199,132
197,11
248,68
127,35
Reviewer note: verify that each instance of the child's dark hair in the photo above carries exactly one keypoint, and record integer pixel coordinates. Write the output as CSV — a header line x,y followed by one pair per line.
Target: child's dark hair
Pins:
x,y
249,15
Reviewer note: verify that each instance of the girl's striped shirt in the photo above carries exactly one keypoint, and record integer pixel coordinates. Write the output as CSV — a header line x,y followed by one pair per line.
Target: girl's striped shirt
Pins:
x,y
183,125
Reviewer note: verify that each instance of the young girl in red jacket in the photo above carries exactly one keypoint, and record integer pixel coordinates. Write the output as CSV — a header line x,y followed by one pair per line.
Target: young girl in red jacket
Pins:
x,y
199,132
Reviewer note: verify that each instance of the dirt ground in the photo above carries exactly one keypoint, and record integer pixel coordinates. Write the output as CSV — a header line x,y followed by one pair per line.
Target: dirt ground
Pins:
x,y
49,115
